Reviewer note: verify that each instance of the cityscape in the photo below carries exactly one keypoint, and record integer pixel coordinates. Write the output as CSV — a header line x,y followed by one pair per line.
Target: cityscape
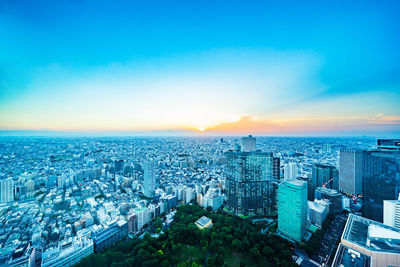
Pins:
x,y
199,133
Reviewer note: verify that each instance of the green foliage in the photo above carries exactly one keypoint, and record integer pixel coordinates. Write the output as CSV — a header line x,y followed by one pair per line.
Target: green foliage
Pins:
x,y
229,242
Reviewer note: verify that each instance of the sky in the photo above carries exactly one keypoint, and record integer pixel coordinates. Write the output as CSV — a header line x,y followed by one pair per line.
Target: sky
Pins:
x,y
306,68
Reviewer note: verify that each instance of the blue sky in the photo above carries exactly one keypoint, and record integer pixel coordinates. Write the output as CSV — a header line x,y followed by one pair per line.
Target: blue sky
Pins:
x,y
316,68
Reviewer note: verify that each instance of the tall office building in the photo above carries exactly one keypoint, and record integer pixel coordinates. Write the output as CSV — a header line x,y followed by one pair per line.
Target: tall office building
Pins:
x,y
7,190
391,213
290,171
277,168
248,144
350,171
381,181
149,183
249,182
292,209
325,176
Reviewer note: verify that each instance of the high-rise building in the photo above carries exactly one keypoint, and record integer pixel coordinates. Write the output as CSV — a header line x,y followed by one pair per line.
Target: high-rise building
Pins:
x,y
277,168
325,176
290,171
248,144
391,213
249,183
7,190
350,171
149,184
333,196
292,209
381,181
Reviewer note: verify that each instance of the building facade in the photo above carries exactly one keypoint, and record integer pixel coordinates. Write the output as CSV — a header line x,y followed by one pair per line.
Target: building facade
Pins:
x,y
350,171
325,176
391,213
7,190
292,209
381,181
249,183
149,183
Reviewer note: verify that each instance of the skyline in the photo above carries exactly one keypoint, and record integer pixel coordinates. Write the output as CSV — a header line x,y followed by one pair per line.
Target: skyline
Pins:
x,y
200,69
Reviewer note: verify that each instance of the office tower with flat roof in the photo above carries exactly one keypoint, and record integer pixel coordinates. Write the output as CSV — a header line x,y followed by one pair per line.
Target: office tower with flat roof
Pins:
x,y
292,209
350,171
7,190
248,143
249,183
391,213
325,176
381,181
290,171
149,183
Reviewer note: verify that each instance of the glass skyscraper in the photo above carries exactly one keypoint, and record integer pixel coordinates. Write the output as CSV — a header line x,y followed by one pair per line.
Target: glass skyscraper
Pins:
x,y
325,176
381,181
292,208
249,183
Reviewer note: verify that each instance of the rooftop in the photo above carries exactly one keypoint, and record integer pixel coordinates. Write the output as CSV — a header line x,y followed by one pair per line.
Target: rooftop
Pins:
x,y
372,235
203,221
348,257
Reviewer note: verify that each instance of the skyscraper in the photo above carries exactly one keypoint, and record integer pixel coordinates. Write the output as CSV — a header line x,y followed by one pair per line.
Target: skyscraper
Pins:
x,y
248,144
350,171
290,171
381,181
325,176
249,182
149,183
292,208
277,168
7,190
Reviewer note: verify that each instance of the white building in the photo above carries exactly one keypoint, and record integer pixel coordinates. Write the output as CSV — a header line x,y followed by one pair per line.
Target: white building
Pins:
x,y
7,190
149,183
248,143
391,213
68,252
290,171
189,194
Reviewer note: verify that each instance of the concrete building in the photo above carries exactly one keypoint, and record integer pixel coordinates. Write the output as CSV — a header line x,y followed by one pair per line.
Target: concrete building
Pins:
x,y
290,171
373,239
108,235
317,212
292,209
391,213
149,183
6,190
351,171
68,252
333,196
248,144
